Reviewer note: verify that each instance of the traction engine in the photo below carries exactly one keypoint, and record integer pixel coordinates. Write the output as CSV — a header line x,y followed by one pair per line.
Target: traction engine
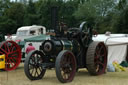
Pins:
x,y
67,52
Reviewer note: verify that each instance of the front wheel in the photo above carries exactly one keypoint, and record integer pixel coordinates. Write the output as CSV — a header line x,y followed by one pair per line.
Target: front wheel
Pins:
x,y
33,65
65,66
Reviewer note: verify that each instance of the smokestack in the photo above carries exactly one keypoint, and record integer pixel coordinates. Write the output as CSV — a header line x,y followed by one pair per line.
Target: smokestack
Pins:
x,y
54,19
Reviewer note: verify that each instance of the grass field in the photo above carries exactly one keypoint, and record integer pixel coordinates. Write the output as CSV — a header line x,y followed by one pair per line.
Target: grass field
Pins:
x,y
17,77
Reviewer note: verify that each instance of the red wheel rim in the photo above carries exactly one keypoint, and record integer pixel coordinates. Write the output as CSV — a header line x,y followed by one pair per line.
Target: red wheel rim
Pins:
x,y
67,66
100,58
12,54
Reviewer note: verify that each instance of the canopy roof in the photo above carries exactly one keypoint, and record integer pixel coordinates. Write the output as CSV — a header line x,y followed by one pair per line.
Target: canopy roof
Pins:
x,y
37,38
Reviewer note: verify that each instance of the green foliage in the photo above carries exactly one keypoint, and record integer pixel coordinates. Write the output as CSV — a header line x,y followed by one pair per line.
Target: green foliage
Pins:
x,y
7,26
103,15
95,12
15,14
31,17
122,4
122,23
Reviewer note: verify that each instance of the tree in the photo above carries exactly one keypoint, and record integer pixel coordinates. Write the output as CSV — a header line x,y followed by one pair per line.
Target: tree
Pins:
x,y
7,26
102,14
122,4
119,19
122,23
94,11
15,14
31,16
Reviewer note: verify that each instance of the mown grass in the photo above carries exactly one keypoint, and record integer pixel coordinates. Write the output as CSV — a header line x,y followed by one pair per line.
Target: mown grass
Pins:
x,y
17,77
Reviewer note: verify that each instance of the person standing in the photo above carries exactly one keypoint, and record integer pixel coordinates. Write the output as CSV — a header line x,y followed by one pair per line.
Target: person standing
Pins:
x,y
30,48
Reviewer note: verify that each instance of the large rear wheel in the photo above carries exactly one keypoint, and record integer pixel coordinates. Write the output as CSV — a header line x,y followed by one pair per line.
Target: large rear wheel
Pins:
x,y
65,66
96,58
33,65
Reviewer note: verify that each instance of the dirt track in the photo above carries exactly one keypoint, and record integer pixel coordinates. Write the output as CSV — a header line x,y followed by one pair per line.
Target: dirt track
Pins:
x,y
17,77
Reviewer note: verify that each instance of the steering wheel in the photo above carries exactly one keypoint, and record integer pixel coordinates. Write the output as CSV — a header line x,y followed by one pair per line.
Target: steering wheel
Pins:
x,y
85,34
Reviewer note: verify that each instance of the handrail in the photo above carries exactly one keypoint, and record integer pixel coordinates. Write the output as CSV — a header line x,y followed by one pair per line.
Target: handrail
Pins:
x,y
117,43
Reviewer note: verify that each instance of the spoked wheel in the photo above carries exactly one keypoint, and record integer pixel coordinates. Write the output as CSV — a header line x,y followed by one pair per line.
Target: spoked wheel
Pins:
x,y
96,59
65,66
33,65
12,53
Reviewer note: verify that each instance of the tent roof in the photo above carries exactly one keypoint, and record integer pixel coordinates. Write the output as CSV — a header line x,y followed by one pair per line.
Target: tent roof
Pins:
x,y
112,39
37,38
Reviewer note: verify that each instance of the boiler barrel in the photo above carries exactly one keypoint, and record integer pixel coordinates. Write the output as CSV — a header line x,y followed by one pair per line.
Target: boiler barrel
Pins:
x,y
53,47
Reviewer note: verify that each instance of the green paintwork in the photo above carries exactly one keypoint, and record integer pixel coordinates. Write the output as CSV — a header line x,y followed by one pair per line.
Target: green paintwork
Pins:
x,y
37,38
21,44
67,45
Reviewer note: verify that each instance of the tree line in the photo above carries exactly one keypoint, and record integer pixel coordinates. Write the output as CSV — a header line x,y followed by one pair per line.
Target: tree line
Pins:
x,y
103,15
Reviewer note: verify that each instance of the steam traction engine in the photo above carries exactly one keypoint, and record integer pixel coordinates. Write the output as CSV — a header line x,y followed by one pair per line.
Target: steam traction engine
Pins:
x,y
67,53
